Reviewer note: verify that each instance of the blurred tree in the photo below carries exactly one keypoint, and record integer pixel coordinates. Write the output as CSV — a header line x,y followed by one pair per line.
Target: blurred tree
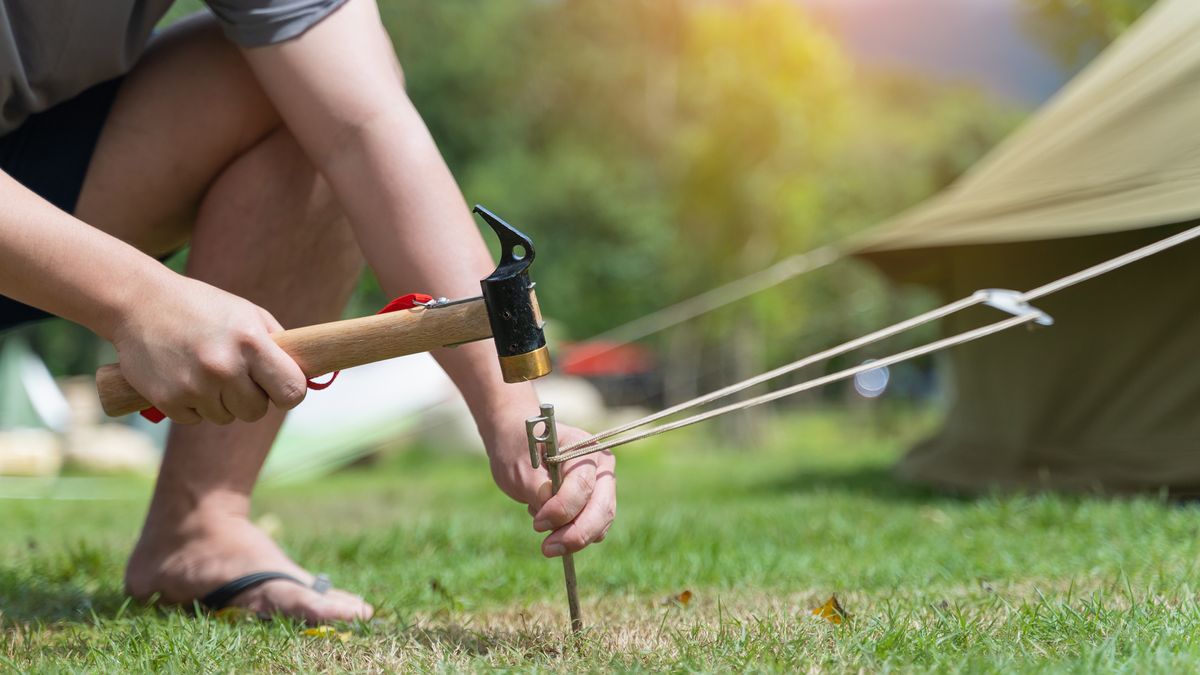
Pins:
x,y
1076,30
761,105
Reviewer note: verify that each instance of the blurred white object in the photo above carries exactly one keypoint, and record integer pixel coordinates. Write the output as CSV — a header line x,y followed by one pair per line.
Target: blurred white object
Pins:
x,y
112,449
361,395
83,400
29,452
29,398
367,406
95,445
31,409
872,383
449,425
577,401
382,402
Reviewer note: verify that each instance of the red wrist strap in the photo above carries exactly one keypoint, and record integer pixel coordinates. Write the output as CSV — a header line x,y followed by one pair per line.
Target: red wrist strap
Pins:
x,y
403,302
153,414
406,302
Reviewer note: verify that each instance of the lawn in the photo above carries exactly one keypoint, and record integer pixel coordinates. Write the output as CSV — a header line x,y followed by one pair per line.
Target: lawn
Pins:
x,y
759,537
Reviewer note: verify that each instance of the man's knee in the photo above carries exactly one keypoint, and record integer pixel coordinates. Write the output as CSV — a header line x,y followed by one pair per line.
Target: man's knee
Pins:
x,y
333,237
322,228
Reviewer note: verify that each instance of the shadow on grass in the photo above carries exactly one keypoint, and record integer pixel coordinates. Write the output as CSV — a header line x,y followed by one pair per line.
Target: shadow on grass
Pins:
x,y
29,598
878,482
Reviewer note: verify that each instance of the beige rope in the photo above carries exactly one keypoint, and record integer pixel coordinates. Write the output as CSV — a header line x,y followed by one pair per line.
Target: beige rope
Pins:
x,y
740,289
803,386
857,343
598,443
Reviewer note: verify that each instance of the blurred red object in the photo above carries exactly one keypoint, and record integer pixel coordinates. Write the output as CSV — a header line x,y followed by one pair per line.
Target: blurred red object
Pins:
x,y
600,359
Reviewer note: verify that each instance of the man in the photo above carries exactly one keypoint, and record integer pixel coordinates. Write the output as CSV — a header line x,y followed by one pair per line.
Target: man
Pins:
x,y
276,136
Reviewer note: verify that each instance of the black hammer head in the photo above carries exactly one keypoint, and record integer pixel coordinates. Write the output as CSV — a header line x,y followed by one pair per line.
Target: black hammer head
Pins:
x,y
512,306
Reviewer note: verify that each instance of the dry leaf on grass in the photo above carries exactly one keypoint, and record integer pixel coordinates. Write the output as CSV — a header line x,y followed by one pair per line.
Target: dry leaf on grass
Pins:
x,y
327,632
234,614
682,599
832,611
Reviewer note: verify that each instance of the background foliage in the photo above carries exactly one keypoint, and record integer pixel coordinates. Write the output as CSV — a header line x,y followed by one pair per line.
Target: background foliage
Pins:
x,y
1076,30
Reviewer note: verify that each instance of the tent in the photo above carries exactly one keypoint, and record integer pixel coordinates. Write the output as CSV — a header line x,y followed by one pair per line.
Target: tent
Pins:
x,y
1108,399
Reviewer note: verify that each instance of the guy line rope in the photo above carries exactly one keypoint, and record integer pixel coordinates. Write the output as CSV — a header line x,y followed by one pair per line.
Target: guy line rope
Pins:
x,y
740,289
1010,301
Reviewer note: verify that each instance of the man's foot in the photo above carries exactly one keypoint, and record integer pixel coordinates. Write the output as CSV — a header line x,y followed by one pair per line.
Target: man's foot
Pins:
x,y
204,552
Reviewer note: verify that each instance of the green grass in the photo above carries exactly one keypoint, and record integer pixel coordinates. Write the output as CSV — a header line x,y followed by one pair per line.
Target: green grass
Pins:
x,y
1027,583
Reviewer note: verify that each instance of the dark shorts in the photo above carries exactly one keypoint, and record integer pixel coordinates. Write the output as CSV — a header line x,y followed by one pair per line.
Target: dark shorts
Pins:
x,y
49,154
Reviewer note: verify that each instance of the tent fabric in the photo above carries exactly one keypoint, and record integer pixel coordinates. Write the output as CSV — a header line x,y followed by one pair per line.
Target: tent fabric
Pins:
x,y
1116,149
1109,397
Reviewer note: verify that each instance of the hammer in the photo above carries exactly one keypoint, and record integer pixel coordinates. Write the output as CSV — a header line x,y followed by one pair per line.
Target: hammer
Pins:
x,y
507,311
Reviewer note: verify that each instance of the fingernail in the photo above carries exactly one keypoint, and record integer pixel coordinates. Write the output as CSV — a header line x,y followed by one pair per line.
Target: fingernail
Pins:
x,y
555,550
541,525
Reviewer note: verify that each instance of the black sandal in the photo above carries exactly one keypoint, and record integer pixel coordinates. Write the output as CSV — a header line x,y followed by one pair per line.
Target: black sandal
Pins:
x,y
222,596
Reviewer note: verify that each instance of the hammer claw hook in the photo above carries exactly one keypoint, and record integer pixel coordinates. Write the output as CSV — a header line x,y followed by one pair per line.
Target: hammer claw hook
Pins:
x,y
511,239
513,312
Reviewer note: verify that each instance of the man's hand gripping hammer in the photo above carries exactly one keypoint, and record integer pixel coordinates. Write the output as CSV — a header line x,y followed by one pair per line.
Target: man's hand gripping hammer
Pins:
x,y
507,311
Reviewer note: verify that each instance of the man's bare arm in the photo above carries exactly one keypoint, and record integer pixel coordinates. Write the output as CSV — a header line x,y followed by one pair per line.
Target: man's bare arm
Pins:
x,y
183,343
340,90
51,261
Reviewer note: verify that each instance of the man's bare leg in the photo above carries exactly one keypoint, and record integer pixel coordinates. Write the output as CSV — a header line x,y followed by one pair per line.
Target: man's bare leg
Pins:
x,y
192,139
299,261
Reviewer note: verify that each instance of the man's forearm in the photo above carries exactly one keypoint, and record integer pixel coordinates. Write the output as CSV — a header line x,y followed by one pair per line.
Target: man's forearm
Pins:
x,y
418,235
341,93
52,261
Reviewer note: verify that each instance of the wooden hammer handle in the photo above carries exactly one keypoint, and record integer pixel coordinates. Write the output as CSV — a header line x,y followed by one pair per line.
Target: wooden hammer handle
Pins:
x,y
327,347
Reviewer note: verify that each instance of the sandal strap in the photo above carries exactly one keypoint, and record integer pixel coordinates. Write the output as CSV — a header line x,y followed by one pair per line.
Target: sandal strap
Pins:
x,y
222,596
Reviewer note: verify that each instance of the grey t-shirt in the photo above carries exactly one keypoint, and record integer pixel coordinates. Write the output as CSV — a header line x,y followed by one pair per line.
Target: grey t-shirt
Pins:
x,y
51,50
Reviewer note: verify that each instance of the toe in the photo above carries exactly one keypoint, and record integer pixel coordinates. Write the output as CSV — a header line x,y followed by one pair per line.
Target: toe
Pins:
x,y
351,600
289,599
